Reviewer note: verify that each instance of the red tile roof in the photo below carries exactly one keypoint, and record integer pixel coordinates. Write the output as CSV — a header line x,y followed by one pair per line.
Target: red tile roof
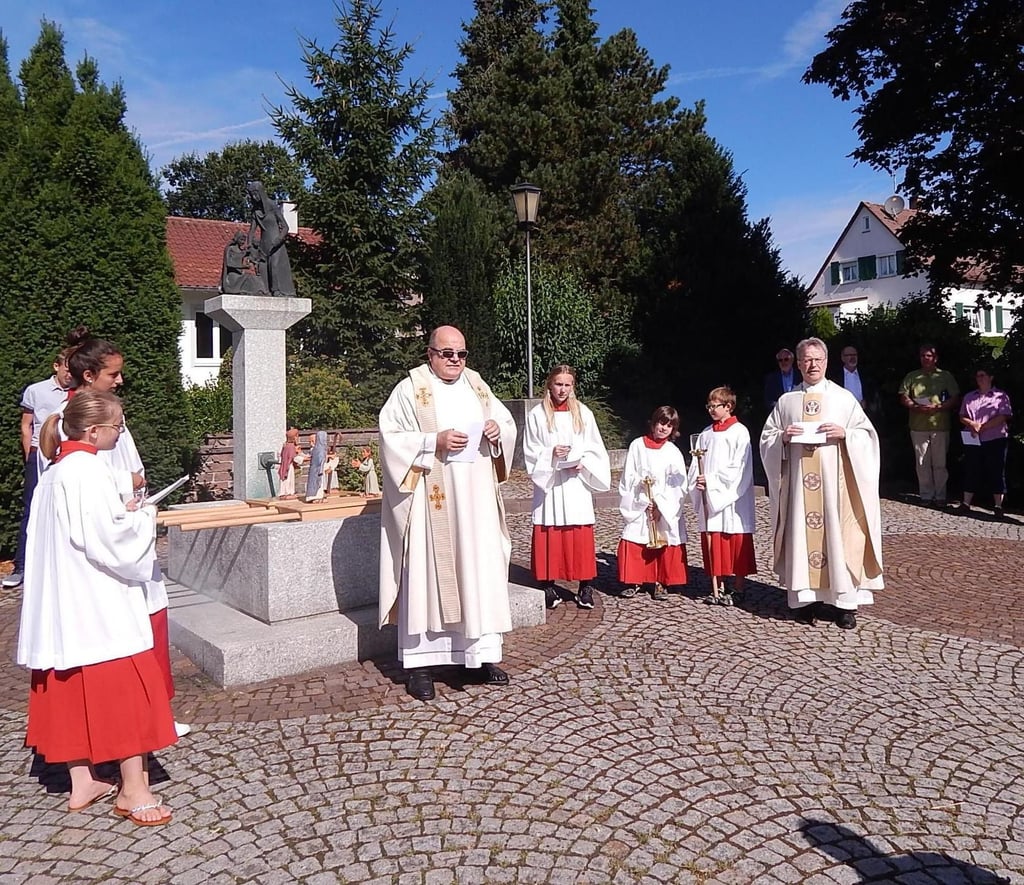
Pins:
x,y
892,222
197,248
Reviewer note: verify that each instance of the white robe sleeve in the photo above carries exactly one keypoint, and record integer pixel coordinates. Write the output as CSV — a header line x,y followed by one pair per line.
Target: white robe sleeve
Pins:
x,y
538,449
595,465
113,539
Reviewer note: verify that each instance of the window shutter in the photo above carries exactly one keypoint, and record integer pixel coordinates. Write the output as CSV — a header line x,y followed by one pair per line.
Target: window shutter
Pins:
x,y
999,319
988,319
867,267
900,262
959,310
833,270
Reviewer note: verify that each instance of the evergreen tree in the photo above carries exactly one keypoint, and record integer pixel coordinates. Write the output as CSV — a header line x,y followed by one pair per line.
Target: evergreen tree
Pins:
x,y
462,260
578,117
715,302
363,139
213,186
89,248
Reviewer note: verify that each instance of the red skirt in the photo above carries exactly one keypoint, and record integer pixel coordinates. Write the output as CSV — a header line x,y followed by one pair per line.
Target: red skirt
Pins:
x,y
100,712
639,564
728,554
162,648
563,553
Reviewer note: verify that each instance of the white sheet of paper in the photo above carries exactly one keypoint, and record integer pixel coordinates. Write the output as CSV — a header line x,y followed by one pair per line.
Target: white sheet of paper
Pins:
x,y
157,497
468,455
568,462
809,433
969,438
923,400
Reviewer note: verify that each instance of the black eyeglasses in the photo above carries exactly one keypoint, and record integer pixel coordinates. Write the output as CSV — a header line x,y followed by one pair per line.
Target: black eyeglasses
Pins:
x,y
712,406
448,353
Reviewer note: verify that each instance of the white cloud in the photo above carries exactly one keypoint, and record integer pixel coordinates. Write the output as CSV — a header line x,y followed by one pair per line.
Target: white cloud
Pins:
x,y
798,45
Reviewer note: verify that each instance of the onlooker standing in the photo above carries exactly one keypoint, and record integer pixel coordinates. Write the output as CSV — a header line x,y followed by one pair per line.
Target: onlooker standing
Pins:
x,y
781,380
931,395
37,402
985,413
567,461
849,376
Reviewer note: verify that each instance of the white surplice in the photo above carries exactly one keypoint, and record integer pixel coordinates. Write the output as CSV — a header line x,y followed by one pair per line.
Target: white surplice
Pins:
x,y
849,484
471,499
729,479
564,497
124,460
86,560
668,470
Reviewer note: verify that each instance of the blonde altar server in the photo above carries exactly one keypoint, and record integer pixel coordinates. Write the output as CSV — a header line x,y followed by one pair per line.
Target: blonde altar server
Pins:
x,y
97,690
723,497
652,490
446,444
567,461
821,456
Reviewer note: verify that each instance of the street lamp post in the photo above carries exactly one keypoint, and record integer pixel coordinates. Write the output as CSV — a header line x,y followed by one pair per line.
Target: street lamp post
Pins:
x,y
526,199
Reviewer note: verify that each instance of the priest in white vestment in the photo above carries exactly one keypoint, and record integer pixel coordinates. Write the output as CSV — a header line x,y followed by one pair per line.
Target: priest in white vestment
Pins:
x,y
826,521
446,445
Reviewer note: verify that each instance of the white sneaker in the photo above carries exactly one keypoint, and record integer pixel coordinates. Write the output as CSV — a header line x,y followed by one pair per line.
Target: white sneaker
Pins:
x,y
14,579
181,729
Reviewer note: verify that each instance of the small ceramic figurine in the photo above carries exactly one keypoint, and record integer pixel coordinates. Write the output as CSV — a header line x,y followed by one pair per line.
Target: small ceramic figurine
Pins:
x,y
331,472
291,461
317,461
364,464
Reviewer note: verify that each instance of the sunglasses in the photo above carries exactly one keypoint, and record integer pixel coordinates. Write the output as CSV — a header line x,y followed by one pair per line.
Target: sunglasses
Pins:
x,y
448,353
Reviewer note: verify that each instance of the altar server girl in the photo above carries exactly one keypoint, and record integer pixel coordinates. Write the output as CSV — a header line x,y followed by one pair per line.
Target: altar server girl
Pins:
x,y
97,692
567,461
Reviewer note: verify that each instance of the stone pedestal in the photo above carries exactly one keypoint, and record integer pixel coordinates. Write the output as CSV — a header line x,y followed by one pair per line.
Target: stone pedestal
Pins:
x,y
520,408
257,325
256,602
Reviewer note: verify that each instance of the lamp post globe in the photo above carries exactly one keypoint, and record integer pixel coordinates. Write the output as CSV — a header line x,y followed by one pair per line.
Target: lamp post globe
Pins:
x,y
526,200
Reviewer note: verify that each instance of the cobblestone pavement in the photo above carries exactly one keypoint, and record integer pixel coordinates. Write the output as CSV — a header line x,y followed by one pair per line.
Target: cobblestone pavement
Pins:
x,y
638,742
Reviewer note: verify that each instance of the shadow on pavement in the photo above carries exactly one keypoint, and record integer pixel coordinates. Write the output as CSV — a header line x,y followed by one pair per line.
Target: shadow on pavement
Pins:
x,y
873,865
54,778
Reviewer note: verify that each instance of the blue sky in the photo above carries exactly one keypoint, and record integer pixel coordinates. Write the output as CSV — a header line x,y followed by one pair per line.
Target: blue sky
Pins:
x,y
198,75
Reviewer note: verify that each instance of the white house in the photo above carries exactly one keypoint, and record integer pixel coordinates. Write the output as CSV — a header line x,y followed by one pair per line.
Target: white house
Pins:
x,y
865,269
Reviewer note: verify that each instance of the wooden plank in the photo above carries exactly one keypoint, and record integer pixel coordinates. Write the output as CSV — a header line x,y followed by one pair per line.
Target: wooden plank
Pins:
x,y
200,514
240,521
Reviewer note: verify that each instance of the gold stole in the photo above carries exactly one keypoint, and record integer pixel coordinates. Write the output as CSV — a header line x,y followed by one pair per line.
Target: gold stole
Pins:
x,y
814,511
438,511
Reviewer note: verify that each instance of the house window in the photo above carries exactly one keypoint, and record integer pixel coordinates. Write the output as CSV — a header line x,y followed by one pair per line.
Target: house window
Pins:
x,y
211,338
848,272
867,224
887,265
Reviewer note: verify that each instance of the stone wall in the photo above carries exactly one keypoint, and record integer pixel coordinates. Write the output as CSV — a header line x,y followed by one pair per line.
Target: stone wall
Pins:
x,y
213,481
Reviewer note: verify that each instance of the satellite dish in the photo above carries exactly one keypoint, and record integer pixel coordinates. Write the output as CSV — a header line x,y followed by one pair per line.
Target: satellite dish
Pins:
x,y
894,205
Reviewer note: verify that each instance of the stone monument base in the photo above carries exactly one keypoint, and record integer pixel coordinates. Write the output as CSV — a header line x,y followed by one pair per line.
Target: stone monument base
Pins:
x,y
265,600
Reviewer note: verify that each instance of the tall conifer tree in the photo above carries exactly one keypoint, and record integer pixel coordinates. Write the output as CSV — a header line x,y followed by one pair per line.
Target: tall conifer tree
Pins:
x,y
89,247
363,137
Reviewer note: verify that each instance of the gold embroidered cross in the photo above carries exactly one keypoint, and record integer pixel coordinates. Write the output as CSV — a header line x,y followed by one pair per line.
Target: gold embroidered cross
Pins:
x,y
483,396
437,496
423,395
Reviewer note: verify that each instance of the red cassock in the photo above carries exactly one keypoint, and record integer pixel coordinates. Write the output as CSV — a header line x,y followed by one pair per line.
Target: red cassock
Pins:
x,y
100,712
639,564
728,554
563,553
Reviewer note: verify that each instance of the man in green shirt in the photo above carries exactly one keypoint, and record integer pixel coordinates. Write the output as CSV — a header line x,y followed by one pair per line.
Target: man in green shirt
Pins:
x,y
931,395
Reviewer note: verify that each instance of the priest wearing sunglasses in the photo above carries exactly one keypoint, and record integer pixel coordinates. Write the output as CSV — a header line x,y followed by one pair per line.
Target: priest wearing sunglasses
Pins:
x,y
446,445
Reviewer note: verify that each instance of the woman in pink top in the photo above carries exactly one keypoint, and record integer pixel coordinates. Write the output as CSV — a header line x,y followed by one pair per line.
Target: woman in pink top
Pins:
x,y
984,414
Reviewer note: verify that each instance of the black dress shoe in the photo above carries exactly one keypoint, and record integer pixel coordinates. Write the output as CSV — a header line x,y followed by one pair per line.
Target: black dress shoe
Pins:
x,y
494,675
420,685
846,620
806,614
